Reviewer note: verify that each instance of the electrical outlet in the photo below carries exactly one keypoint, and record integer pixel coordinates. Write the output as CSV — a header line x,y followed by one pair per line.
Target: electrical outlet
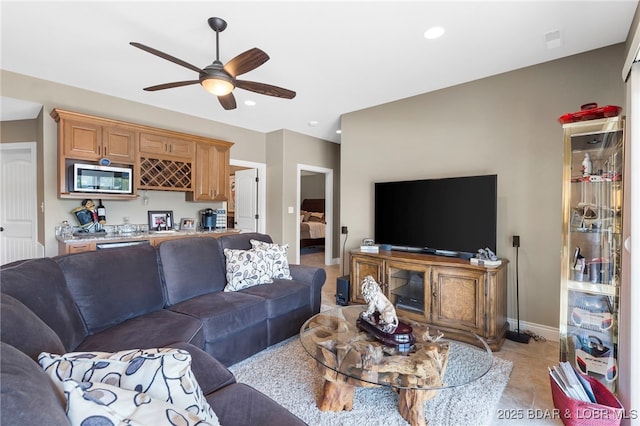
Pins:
x,y
516,240
344,230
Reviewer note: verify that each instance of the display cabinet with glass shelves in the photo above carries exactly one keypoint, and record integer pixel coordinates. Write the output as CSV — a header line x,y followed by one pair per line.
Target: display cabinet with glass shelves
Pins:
x,y
592,229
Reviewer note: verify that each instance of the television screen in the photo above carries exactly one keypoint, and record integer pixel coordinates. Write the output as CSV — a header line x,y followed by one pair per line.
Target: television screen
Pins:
x,y
451,214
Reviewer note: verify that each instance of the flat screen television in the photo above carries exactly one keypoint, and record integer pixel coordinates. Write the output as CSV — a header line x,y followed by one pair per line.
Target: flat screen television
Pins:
x,y
449,216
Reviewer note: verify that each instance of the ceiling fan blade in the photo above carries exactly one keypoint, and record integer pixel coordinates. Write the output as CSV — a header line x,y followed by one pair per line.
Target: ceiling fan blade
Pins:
x,y
265,89
171,85
166,56
227,101
246,61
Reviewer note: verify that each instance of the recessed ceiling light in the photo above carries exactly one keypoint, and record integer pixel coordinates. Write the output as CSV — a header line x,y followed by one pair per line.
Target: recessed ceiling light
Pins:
x,y
339,131
434,33
250,103
313,123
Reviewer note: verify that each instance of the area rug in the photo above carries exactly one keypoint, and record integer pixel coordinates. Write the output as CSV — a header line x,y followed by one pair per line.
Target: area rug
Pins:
x,y
287,374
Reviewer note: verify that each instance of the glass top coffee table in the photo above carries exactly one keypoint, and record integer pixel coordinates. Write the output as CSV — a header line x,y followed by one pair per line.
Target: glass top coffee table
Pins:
x,y
348,357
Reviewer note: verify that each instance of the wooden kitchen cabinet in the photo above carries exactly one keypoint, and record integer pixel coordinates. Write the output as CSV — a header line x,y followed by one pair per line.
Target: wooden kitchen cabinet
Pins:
x,y
161,159
152,143
450,293
165,162
67,248
88,138
211,166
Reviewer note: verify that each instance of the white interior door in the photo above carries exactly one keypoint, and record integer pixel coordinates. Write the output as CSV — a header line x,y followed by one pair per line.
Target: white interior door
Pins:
x,y
246,209
18,199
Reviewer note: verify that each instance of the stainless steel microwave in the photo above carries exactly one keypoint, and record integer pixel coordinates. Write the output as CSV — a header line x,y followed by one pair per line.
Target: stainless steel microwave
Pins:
x,y
100,179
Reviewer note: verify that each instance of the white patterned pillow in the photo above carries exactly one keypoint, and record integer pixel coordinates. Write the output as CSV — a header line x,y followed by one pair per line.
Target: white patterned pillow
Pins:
x,y
164,374
246,268
102,404
276,258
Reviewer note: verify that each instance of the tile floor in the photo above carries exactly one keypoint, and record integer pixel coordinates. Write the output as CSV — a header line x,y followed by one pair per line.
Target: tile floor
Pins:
x,y
527,397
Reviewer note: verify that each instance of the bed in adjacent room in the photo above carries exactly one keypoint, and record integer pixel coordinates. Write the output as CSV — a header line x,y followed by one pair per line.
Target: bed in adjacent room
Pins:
x,y
312,222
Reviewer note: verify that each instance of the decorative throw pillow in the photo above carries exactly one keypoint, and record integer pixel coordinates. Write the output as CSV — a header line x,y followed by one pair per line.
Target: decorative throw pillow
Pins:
x,y
246,268
306,217
164,374
316,217
103,404
276,258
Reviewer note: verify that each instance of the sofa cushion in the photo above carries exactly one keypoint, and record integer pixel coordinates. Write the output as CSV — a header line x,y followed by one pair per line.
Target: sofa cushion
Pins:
x,y
204,260
40,285
242,241
282,297
210,373
246,268
27,395
257,408
23,329
154,330
102,404
223,313
276,257
112,286
162,373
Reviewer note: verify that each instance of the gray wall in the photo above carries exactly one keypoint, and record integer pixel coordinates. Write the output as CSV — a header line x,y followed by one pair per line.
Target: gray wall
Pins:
x,y
505,124
248,146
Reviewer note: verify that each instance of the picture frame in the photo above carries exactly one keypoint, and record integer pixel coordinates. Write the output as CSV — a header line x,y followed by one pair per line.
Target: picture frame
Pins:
x,y
187,223
160,220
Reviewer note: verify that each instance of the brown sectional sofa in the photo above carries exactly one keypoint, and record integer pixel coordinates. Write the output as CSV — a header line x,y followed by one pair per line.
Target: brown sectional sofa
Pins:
x,y
147,297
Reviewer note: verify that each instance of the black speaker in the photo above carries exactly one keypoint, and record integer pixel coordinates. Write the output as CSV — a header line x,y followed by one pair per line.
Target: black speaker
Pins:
x,y
342,290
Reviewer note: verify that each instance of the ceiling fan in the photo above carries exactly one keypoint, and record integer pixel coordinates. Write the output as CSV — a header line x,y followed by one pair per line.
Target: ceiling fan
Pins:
x,y
220,79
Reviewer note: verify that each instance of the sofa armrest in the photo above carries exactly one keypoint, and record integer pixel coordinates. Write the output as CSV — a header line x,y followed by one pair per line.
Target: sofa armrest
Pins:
x,y
209,372
312,276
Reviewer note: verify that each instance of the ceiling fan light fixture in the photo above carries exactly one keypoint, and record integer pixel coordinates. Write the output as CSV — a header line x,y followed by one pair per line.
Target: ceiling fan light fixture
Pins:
x,y
218,85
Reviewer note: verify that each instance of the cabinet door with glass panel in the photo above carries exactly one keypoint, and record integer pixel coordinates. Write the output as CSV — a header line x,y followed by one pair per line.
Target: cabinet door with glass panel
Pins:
x,y
407,286
592,229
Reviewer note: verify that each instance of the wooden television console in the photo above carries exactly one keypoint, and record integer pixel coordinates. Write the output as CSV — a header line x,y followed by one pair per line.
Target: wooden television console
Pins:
x,y
449,293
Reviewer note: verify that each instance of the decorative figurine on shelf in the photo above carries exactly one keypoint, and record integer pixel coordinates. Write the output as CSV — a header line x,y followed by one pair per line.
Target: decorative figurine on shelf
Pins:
x,y
486,254
88,217
378,302
587,167
380,319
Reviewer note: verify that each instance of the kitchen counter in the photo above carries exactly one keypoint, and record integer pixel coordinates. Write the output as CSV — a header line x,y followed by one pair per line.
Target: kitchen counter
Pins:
x,y
88,242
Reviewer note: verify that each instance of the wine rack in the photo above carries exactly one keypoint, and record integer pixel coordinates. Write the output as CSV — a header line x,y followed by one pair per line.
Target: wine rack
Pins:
x,y
165,174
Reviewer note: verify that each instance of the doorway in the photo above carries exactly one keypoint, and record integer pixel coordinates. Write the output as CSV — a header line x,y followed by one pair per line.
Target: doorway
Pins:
x,y
326,176
246,207
18,196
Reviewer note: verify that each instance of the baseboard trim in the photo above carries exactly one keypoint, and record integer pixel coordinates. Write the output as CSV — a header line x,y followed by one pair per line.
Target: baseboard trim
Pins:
x,y
550,333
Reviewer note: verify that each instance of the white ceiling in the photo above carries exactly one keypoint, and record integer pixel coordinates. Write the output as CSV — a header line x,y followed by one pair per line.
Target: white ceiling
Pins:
x,y
338,56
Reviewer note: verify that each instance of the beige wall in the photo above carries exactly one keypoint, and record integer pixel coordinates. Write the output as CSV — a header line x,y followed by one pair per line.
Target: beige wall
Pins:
x,y
290,149
312,186
18,131
248,146
505,124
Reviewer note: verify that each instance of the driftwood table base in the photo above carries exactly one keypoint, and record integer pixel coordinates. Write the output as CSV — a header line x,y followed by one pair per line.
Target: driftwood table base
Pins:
x,y
348,358
338,396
